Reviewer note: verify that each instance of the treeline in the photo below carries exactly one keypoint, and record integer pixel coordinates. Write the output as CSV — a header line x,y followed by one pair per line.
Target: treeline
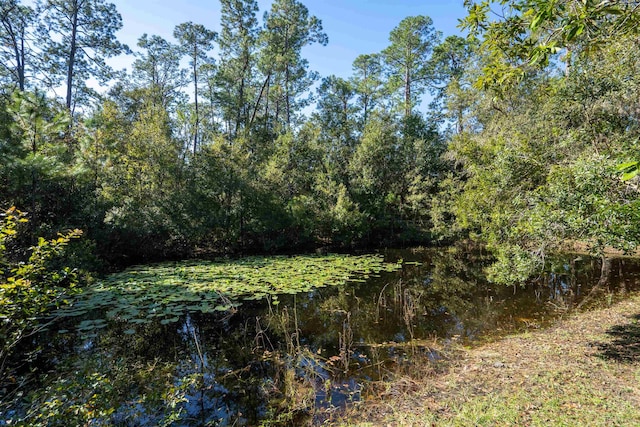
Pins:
x,y
218,156
553,117
527,122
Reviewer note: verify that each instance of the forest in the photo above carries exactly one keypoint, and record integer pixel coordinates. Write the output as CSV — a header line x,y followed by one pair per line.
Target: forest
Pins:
x,y
517,149
520,136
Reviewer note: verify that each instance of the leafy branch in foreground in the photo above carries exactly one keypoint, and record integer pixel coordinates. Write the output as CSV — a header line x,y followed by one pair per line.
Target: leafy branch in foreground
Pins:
x,y
520,35
29,290
629,170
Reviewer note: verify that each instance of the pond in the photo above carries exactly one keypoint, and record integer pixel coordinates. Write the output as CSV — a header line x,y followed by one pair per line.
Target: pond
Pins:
x,y
277,360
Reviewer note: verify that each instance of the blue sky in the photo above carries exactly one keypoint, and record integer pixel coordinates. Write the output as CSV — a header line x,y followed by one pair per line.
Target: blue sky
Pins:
x,y
354,27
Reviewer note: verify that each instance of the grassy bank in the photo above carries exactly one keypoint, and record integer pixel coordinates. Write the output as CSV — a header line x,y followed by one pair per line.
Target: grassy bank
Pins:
x,y
585,370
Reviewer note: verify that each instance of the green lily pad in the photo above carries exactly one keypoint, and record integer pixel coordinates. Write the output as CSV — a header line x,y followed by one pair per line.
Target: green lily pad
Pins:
x,y
168,291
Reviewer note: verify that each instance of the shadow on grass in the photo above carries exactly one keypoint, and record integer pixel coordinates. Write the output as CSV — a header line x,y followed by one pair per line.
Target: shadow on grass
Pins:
x,y
625,346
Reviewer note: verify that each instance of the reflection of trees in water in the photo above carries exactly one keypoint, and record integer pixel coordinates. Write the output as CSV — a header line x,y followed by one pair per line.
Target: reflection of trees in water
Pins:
x,y
202,371
447,295
576,282
290,352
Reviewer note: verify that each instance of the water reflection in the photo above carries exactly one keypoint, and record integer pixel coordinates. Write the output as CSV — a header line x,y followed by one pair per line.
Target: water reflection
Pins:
x,y
277,362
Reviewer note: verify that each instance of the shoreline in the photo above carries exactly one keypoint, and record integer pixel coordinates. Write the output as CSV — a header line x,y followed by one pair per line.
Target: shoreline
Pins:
x,y
582,370
583,249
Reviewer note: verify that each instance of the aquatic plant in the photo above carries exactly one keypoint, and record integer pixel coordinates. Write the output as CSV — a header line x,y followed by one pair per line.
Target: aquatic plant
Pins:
x,y
165,292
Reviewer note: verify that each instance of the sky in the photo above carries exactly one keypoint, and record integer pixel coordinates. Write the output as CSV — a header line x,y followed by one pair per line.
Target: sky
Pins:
x,y
354,27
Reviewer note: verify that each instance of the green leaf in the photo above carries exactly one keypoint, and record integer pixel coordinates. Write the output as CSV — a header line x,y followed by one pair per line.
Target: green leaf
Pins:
x,y
627,166
146,293
629,169
169,320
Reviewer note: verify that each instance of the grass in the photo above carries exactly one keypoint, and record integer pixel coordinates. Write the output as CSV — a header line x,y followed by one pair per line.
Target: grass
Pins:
x,y
584,371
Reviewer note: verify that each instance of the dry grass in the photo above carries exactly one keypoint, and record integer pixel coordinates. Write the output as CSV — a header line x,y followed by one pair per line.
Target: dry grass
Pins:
x,y
584,371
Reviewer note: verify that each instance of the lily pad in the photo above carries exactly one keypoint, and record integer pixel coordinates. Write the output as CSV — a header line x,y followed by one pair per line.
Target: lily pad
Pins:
x,y
168,291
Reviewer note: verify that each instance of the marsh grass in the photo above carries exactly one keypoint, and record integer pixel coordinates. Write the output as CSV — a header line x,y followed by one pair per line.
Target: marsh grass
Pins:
x,y
584,371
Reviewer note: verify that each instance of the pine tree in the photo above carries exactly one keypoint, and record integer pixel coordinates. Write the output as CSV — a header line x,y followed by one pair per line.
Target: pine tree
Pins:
x,y
79,37
195,41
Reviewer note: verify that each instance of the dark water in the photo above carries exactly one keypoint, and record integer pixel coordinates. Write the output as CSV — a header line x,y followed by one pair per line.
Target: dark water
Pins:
x,y
276,363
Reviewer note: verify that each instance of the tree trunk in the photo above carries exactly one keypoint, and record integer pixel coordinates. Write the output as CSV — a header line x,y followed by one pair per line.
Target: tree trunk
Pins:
x,y
195,84
17,45
605,271
365,99
287,102
366,111
240,101
35,219
286,81
265,85
21,64
18,52
407,93
72,54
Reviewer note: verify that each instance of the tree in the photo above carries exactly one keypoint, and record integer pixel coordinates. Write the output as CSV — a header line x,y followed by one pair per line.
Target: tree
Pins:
x,y
195,41
451,65
39,159
336,119
377,171
527,33
532,32
16,50
80,36
290,175
538,170
336,109
407,58
288,28
146,167
212,115
238,43
157,70
368,84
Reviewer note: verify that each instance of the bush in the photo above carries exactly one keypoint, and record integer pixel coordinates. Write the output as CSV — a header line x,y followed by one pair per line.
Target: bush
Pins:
x,y
30,290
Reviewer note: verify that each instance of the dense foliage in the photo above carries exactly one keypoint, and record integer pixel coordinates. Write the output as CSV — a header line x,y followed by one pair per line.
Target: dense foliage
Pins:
x,y
30,289
220,156
530,121
554,122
